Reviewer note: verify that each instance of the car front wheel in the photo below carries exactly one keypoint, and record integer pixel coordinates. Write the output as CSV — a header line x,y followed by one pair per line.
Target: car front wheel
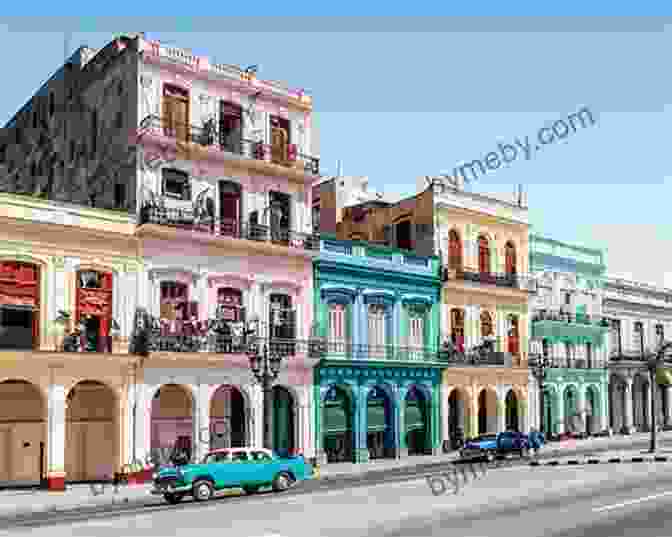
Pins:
x,y
202,491
489,456
282,482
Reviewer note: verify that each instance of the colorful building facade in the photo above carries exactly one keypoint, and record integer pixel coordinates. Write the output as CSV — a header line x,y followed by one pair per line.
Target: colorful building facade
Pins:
x,y
569,332
377,390
640,317
483,242
225,229
64,407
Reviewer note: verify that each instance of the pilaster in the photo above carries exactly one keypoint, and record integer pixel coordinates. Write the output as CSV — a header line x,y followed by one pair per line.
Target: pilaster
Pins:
x,y
56,437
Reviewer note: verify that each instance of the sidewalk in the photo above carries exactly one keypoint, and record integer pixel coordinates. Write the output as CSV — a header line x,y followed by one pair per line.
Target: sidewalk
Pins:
x,y
24,503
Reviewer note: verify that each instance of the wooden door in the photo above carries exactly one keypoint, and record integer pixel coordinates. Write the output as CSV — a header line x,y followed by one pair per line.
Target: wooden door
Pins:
x,y
5,454
278,144
176,113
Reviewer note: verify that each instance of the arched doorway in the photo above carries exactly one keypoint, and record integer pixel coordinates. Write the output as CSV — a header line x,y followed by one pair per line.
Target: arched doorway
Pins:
x,y
456,415
511,412
284,427
416,417
19,305
379,420
592,410
171,423
487,411
227,418
229,208
23,435
640,402
457,328
572,419
337,425
91,432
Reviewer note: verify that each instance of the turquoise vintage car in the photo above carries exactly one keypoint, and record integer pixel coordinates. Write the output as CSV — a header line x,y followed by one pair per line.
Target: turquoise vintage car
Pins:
x,y
246,468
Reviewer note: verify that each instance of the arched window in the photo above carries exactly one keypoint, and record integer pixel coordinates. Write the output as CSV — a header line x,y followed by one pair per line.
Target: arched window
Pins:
x,y
337,331
486,324
454,251
510,256
457,328
230,304
483,255
174,298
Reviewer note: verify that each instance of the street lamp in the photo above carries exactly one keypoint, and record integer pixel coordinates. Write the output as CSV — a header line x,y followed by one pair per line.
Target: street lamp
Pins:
x,y
265,365
653,363
539,368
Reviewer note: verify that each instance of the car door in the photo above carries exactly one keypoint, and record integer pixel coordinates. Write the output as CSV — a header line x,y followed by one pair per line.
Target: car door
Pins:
x,y
239,470
264,466
219,468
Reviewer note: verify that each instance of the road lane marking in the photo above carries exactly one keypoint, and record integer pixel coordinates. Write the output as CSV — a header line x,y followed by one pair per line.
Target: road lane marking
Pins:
x,y
631,502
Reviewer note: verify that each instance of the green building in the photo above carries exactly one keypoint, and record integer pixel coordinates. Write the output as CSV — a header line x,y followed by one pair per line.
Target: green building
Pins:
x,y
377,389
569,337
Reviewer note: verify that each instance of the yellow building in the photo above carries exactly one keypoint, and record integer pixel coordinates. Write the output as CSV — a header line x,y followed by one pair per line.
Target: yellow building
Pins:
x,y
64,412
483,242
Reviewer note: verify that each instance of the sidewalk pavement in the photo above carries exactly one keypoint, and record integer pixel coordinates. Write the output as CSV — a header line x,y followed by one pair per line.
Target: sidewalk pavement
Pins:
x,y
26,502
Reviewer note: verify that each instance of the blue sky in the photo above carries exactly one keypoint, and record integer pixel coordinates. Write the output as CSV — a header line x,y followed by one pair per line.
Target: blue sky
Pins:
x,y
403,97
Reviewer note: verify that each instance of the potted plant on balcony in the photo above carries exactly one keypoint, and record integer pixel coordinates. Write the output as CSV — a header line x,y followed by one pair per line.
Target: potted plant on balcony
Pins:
x,y
62,325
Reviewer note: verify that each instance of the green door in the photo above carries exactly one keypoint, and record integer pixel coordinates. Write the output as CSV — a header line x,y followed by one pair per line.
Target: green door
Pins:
x,y
283,420
337,426
416,423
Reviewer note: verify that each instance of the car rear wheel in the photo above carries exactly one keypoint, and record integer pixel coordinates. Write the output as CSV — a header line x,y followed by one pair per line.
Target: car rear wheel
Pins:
x,y
489,456
174,497
282,482
203,491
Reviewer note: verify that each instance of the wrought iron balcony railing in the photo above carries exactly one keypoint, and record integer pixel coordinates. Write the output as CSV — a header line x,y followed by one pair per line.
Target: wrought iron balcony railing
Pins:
x,y
190,220
342,350
560,316
483,354
514,281
535,361
213,135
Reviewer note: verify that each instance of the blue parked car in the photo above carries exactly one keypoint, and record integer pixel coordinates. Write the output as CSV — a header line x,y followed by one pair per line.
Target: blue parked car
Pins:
x,y
246,468
489,446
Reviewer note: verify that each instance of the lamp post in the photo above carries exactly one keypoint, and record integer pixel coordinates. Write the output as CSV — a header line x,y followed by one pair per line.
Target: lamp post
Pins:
x,y
653,363
539,369
265,364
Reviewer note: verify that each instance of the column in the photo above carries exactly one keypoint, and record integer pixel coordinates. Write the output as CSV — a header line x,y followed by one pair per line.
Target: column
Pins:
x,y
646,411
139,422
667,395
201,421
604,406
396,325
402,449
444,329
581,407
305,423
361,425
628,404
202,294
360,328
56,437
255,421
59,303
500,409
559,426
436,419
445,410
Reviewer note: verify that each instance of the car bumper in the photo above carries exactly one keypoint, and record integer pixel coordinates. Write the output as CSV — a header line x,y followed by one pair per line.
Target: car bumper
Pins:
x,y
160,490
475,454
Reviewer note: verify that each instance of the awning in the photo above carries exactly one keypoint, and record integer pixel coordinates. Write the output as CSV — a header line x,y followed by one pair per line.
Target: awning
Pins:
x,y
664,376
376,416
574,333
336,419
413,417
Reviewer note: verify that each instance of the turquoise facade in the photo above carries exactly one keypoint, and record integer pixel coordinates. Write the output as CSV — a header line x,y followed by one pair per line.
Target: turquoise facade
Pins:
x,y
382,399
576,385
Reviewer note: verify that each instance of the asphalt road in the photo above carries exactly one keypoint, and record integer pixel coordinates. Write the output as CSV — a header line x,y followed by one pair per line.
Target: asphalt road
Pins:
x,y
600,500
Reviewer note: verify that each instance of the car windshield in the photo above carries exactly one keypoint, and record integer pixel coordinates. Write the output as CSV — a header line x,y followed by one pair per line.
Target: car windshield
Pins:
x,y
214,457
485,438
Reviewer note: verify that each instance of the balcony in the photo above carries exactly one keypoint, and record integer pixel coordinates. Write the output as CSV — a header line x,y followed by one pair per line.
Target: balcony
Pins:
x,y
211,136
341,350
522,282
567,363
187,219
558,326
480,355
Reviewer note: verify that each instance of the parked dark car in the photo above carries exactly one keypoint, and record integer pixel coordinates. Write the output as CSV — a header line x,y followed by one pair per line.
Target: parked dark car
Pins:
x,y
489,446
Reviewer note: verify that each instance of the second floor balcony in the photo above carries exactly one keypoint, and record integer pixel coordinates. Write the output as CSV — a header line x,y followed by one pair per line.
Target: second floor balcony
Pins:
x,y
559,326
522,282
484,354
192,220
345,351
535,361
192,141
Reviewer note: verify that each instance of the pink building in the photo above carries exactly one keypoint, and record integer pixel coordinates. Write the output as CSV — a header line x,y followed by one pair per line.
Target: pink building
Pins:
x,y
224,169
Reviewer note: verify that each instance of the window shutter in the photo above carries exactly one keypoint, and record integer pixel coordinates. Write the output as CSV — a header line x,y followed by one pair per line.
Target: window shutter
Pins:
x,y
291,324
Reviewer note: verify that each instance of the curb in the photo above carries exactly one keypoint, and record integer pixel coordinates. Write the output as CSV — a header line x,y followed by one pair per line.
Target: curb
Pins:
x,y
575,462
